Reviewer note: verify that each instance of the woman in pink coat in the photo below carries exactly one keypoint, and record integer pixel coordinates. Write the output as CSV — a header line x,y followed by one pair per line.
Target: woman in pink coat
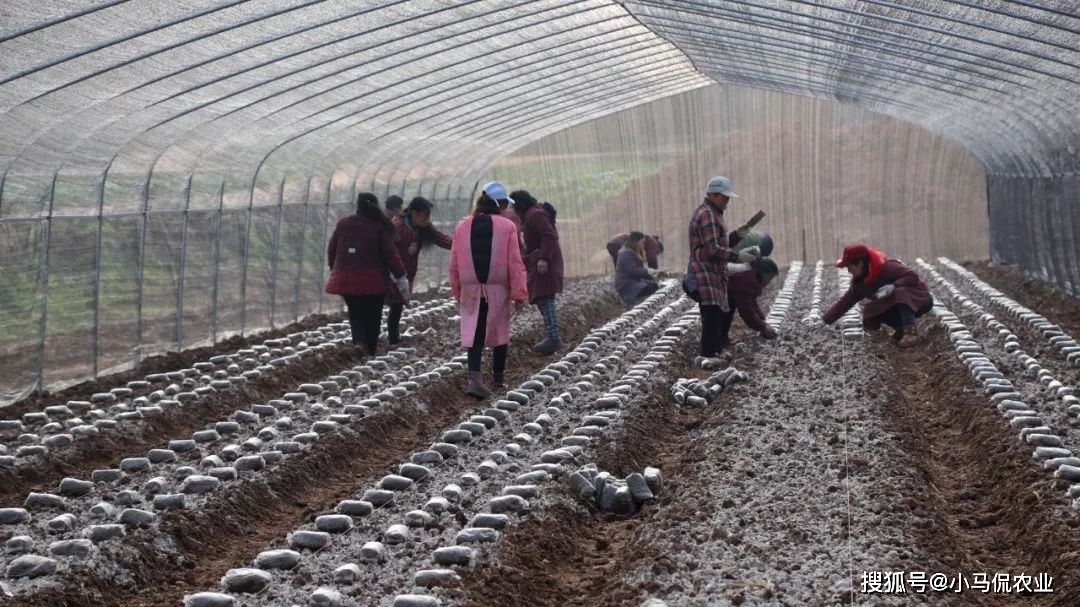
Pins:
x,y
486,275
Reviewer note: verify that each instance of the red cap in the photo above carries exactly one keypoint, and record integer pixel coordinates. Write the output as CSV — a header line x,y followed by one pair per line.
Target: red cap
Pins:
x,y
852,253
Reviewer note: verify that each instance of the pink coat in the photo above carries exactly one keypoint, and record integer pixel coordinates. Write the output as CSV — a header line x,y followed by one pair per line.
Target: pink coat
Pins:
x,y
505,284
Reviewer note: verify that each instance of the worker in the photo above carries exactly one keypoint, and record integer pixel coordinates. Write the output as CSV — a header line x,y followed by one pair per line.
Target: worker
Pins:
x,y
744,238
654,248
633,281
746,282
361,253
487,276
393,206
543,263
897,295
414,232
707,269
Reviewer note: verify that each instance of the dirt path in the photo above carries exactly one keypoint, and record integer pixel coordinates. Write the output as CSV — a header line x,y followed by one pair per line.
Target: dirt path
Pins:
x,y
571,555
994,509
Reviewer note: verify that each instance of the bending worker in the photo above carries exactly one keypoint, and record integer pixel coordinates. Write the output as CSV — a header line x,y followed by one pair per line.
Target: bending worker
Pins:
x,y
896,294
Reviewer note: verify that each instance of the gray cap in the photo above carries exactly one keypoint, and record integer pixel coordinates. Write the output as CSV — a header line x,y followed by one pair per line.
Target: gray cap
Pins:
x,y
720,185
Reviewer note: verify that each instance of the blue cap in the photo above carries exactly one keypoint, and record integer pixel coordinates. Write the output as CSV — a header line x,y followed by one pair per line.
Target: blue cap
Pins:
x,y
497,191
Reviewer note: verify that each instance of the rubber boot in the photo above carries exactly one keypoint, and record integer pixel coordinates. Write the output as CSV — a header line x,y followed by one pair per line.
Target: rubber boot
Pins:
x,y
498,381
476,388
548,346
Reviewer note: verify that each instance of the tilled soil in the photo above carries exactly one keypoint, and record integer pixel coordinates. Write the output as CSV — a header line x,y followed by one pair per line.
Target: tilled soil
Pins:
x,y
841,457
898,446
993,508
571,553
161,363
1057,306
190,550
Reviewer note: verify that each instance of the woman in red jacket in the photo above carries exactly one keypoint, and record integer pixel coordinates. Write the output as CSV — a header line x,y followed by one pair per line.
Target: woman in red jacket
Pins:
x,y
897,296
543,263
414,232
361,253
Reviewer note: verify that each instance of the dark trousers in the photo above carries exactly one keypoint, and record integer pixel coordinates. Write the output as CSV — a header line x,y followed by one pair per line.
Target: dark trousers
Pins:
x,y
476,352
647,290
715,324
393,322
900,315
365,314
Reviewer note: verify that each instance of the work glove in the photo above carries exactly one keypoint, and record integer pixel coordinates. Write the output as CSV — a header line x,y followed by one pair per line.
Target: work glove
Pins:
x,y
542,266
749,255
402,285
884,292
768,333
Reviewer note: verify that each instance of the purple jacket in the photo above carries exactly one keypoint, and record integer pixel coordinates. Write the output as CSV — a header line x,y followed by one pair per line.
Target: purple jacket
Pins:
x,y
630,277
744,288
406,237
542,242
652,249
360,254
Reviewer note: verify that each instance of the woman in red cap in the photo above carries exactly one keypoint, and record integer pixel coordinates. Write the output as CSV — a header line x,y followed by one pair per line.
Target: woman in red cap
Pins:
x,y
897,295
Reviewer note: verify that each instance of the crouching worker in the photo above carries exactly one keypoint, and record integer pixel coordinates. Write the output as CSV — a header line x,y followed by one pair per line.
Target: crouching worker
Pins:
x,y
745,285
633,282
652,246
896,294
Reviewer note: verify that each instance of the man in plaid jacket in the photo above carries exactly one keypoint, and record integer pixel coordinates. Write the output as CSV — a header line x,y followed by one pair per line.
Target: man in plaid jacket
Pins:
x,y
709,255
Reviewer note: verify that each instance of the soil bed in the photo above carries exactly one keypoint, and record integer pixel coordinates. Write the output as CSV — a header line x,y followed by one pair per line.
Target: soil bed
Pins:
x,y
1057,306
992,507
191,550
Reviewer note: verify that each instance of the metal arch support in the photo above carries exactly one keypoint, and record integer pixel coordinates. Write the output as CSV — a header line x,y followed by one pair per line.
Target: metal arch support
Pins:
x,y
322,126
997,30
917,54
116,41
244,49
297,70
859,26
59,20
938,30
183,266
474,78
885,74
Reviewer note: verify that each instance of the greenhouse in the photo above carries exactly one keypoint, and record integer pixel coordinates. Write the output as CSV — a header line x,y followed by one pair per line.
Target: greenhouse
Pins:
x,y
182,382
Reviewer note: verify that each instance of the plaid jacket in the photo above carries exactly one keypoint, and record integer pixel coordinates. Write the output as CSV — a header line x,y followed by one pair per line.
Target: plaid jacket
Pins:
x,y
709,254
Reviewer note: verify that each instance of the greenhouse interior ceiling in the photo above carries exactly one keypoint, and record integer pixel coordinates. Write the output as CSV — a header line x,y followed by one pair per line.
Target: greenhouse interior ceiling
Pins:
x,y
170,169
